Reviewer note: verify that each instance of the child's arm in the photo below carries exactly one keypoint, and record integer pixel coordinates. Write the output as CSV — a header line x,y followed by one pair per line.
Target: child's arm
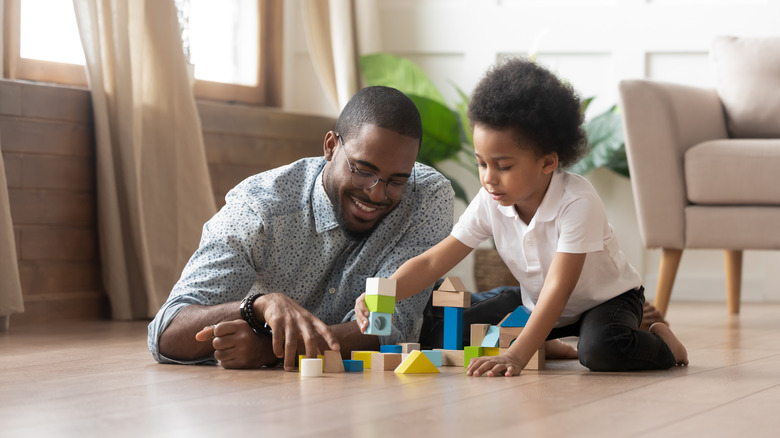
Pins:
x,y
418,273
564,273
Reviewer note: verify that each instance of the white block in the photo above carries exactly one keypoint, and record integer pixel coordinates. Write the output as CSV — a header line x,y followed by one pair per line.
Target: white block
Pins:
x,y
311,367
380,286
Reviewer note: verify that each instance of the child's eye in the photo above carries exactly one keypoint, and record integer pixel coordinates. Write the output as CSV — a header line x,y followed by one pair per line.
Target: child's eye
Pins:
x,y
504,168
481,164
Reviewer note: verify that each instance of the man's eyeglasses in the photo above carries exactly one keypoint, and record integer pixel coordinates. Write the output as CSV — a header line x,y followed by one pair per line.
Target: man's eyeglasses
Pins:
x,y
364,180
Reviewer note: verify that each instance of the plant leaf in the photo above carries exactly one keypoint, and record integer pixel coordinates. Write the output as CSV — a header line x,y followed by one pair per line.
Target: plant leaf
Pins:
x,y
400,73
607,144
441,132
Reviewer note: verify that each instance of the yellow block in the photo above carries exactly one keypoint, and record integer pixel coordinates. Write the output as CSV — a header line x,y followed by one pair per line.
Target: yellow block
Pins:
x,y
492,351
416,363
365,356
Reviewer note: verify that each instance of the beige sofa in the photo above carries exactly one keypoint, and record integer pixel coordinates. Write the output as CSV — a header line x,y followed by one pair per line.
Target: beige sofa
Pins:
x,y
705,163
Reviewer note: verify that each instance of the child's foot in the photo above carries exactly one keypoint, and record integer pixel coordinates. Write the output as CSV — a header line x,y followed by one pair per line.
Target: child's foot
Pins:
x,y
557,349
650,315
674,344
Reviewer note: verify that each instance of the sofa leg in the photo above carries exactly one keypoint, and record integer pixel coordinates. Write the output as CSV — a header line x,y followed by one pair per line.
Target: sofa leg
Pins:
x,y
667,271
733,279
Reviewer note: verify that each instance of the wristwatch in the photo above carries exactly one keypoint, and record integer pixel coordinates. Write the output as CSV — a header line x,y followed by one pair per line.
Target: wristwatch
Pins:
x,y
248,315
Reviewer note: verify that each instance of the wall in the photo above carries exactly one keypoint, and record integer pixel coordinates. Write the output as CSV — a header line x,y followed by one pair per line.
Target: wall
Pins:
x,y
48,148
594,44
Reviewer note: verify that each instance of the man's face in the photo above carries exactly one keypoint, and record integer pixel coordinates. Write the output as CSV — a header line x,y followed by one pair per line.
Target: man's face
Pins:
x,y
379,151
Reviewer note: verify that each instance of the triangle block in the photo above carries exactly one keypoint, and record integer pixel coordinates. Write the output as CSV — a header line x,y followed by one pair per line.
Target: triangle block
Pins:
x,y
492,337
416,363
518,318
453,284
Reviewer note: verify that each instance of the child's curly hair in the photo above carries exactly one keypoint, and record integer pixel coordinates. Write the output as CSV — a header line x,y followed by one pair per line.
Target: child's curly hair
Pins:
x,y
525,97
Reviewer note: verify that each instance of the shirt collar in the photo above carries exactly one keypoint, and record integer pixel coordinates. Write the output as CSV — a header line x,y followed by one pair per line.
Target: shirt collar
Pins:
x,y
324,211
548,208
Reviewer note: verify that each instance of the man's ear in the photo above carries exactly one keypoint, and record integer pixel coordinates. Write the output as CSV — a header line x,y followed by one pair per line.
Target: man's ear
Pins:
x,y
550,163
330,144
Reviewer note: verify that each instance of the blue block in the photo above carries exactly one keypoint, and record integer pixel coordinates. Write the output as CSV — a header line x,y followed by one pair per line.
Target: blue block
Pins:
x,y
379,323
491,337
453,328
391,349
353,365
434,356
518,318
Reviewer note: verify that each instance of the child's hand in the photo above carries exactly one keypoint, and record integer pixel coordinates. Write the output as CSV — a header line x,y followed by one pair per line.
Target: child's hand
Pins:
x,y
491,366
361,313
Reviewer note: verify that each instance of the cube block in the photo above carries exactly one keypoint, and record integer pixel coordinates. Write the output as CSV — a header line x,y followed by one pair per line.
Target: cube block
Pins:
x,y
380,303
379,324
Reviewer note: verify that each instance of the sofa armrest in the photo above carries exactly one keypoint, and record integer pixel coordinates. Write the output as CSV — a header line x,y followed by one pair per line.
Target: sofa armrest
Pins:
x,y
661,121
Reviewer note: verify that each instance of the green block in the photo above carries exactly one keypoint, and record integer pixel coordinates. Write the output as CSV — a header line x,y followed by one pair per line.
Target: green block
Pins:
x,y
380,303
470,352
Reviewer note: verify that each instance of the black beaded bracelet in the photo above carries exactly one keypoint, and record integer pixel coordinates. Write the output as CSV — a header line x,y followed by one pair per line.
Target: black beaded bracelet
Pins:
x,y
248,315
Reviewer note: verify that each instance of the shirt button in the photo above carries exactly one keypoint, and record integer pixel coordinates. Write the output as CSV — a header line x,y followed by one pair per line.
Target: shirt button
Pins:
x,y
332,290
530,243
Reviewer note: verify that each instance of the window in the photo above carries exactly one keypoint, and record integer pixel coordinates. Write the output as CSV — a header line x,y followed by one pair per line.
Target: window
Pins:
x,y
234,45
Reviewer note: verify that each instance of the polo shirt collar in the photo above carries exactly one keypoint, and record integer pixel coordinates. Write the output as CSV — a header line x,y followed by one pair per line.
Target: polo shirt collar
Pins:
x,y
549,206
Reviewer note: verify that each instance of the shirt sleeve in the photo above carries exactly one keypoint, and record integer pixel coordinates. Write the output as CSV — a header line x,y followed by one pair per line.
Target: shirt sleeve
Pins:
x,y
220,271
582,223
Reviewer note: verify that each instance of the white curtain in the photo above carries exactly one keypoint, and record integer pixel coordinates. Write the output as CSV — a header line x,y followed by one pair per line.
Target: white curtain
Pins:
x,y
10,286
154,191
337,32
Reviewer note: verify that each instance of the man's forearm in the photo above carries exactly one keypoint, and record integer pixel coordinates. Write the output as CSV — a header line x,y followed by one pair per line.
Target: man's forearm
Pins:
x,y
178,340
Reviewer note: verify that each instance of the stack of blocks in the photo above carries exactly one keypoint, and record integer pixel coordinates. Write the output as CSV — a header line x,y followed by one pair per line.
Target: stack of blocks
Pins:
x,y
453,296
380,300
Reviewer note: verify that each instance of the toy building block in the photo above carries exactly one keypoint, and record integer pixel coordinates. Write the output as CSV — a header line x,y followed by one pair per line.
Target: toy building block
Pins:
x,y
408,347
303,356
380,303
478,332
311,367
491,337
391,349
507,335
379,323
365,356
333,362
352,366
492,351
385,361
471,352
518,318
443,298
416,363
453,284
453,328
451,358
434,356
380,286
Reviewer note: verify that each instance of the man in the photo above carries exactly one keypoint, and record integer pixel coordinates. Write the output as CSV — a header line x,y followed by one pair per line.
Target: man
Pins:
x,y
280,266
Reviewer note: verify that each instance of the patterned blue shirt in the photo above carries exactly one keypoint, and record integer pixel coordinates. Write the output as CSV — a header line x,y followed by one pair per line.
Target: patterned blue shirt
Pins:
x,y
278,233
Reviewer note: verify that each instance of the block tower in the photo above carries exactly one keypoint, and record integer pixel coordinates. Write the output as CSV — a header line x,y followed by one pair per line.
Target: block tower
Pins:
x,y
380,300
453,296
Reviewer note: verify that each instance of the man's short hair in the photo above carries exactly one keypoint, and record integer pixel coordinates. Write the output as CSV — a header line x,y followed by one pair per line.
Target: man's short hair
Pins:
x,y
381,106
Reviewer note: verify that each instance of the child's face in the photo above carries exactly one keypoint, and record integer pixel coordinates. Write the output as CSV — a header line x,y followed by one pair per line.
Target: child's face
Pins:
x,y
510,169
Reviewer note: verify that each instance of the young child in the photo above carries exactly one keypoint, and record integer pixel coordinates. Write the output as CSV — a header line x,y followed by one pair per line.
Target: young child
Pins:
x,y
549,227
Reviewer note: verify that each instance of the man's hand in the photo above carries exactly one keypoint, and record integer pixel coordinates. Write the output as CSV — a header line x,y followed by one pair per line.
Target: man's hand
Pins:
x,y
291,322
361,313
503,364
236,345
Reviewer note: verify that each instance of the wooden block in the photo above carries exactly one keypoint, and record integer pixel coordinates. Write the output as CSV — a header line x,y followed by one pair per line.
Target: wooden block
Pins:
x,y
492,351
352,366
380,286
491,337
380,303
478,332
518,318
365,356
310,367
471,352
450,299
434,356
385,361
333,362
379,324
453,284
391,349
537,360
416,363
301,357
408,347
507,335
451,358
453,328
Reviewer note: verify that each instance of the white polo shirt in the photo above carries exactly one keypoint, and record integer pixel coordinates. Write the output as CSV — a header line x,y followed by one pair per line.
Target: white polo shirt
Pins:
x,y
570,219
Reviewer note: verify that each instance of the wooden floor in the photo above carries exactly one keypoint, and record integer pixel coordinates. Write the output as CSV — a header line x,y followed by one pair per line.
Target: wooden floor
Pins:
x,y
98,380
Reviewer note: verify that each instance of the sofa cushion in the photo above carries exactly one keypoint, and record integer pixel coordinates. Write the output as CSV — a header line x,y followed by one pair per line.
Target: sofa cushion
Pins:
x,y
733,172
748,82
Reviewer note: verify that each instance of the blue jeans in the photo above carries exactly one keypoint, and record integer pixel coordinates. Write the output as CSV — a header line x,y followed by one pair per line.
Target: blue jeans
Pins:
x,y
609,335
